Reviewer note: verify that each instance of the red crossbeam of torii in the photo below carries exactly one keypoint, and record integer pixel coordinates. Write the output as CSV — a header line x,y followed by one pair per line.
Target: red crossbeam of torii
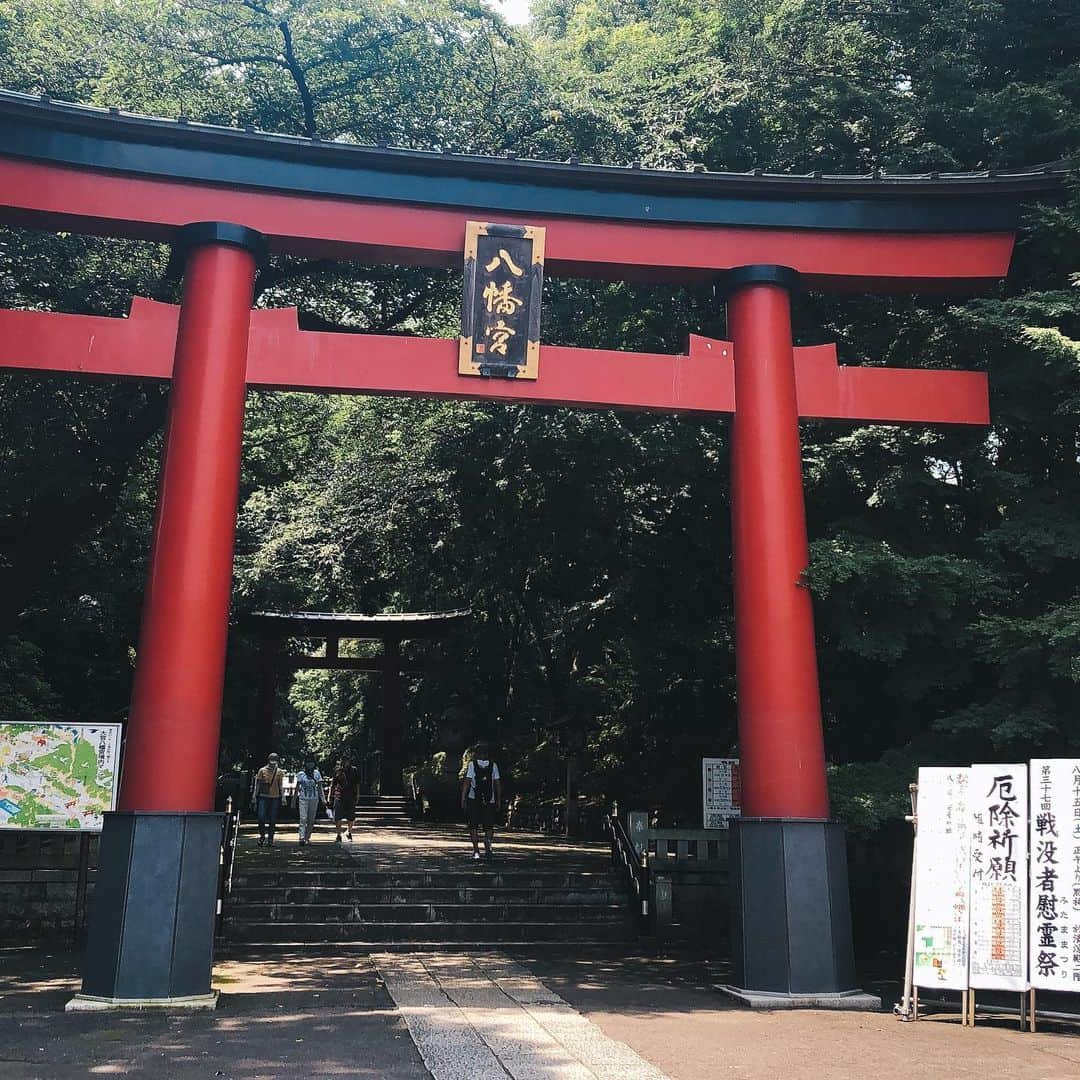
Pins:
x,y
283,357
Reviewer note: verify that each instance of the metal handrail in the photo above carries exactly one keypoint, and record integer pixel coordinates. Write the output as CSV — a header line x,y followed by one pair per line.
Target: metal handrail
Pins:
x,y
230,832
636,866
232,835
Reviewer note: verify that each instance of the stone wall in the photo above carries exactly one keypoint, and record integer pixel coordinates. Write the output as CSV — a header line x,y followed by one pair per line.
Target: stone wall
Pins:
x,y
39,885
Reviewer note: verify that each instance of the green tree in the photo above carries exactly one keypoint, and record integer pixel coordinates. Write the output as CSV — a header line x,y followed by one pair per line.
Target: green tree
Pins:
x,y
592,547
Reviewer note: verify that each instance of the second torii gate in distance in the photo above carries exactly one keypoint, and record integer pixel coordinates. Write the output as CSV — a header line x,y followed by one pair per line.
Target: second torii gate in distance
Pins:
x,y
390,629
223,197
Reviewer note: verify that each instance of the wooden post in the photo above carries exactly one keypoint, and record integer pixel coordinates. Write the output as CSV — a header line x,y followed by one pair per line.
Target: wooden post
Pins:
x,y
172,737
571,794
663,906
781,744
262,728
80,887
391,740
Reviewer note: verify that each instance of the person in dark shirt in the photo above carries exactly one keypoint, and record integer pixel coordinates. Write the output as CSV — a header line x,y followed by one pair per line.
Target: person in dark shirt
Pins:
x,y
343,798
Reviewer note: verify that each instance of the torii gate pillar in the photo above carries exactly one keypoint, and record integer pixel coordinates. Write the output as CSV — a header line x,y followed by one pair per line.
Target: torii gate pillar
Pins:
x,y
790,908
151,934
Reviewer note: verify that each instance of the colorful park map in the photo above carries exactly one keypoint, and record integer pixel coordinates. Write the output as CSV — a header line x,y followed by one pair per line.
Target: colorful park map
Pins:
x,y
55,776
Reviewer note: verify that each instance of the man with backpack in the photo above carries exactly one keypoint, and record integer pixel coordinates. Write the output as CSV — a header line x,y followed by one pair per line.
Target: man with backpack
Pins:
x,y
481,797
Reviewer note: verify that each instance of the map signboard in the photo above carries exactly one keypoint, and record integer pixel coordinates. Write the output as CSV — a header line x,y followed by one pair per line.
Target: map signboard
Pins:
x,y
998,803
1055,874
57,776
941,879
721,791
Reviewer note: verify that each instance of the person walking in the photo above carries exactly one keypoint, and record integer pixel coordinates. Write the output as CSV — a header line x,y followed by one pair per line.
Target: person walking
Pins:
x,y
343,798
309,797
481,797
268,782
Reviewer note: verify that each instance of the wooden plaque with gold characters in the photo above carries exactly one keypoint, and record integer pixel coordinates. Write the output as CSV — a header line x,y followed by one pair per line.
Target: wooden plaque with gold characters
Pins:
x,y
500,307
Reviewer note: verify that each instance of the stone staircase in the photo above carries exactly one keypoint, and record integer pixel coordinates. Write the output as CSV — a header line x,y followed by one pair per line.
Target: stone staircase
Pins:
x,y
411,893
380,811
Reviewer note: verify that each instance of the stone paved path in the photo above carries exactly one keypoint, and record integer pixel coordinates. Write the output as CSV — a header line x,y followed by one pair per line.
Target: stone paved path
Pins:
x,y
418,846
481,1016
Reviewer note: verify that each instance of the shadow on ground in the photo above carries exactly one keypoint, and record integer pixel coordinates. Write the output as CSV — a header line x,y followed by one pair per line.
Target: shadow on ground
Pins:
x,y
324,1013
285,1015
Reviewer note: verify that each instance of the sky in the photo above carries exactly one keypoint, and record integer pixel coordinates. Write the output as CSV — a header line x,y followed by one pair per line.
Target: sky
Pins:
x,y
515,11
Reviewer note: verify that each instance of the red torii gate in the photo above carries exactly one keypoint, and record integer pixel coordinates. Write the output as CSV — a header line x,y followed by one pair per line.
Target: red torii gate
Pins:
x,y
777,672
85,170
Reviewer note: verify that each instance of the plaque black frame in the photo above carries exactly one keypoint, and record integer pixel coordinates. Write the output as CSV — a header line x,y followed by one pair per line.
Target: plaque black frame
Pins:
x,y
525,363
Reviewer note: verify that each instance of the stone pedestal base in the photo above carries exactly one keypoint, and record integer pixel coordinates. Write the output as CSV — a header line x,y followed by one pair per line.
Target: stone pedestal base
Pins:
x,y
150,938
89,1003
853,1000
791,916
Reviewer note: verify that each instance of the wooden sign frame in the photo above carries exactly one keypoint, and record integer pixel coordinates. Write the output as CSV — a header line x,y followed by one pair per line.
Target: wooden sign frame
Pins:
x,y
527,320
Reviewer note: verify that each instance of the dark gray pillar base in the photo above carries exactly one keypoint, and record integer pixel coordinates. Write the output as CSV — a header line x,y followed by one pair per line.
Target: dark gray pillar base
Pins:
x,y
151,931
791,915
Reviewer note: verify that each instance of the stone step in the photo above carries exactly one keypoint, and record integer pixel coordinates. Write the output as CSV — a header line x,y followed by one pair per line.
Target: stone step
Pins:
x,y
261,914
475,933
481,877
271,894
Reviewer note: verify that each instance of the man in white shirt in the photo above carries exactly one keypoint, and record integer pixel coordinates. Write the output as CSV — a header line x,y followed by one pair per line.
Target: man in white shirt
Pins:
x,y
481,797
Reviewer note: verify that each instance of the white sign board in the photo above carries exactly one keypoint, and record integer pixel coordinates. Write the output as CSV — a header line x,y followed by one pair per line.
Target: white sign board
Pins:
x,y
942,879
721,784
1055,874
56,776
997,797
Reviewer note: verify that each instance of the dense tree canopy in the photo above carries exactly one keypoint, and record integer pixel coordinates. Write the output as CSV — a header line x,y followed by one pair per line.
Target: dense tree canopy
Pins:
x,y
593,547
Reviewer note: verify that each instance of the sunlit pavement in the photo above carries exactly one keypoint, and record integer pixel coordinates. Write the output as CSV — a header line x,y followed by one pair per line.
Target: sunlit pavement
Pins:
x,y
481,1016
319,1014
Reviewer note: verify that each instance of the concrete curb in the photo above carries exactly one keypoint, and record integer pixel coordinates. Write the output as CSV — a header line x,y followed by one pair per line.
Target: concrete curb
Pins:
x,y
93,1003
848,1001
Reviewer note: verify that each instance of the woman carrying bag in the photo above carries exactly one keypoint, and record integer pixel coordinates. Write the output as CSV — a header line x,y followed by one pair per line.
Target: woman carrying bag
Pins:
x,y
268,796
